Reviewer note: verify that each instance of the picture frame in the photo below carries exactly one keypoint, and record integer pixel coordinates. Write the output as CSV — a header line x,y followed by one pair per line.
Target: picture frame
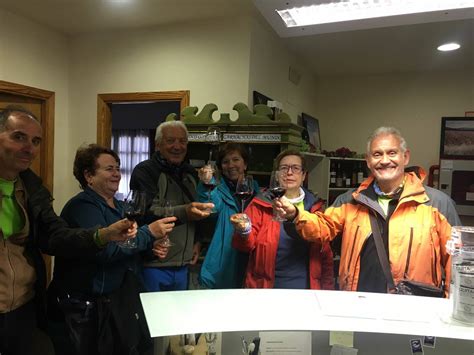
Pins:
x,y
311,124
260,99
457,138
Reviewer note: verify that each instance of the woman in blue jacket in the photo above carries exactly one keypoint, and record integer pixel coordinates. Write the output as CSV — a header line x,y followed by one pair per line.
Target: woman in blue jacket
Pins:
x,y
81,284
223,266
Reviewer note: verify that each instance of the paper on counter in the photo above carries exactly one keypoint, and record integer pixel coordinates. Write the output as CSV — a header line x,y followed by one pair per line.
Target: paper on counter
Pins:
x,y
347,304
285,343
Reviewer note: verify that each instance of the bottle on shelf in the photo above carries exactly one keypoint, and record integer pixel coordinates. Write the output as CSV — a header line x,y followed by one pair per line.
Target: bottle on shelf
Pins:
x,y
354,177
346,179
360,173
339,177
332,174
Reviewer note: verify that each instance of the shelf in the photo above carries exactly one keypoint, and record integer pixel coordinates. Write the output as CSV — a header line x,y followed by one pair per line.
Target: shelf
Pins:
x,y
341,158
263,173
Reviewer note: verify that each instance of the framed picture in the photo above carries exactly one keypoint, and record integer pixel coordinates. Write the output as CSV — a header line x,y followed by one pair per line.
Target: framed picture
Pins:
x,y
312,127
457,138
260,99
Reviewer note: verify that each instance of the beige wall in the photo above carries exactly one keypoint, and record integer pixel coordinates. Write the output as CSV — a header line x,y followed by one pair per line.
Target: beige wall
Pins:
x,y
269,67
349,109
35,56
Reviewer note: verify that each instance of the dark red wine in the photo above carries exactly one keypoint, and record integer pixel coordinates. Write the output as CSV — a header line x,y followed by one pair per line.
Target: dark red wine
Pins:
x,y
277,192
210,186
244,195
132,216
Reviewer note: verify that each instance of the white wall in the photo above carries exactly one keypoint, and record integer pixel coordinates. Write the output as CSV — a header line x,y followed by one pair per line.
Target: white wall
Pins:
x,y
34,55
269,67
349,109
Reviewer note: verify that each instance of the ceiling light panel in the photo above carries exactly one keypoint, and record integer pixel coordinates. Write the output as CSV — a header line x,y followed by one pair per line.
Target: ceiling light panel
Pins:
x,y
304,17
350,10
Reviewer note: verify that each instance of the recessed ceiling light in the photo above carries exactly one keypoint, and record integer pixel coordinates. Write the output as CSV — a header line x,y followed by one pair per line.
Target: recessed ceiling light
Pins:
x,y
350,10
449,47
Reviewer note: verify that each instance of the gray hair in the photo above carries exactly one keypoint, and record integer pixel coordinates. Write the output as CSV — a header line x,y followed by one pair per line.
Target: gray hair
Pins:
x,y
387,131
9,110
163,125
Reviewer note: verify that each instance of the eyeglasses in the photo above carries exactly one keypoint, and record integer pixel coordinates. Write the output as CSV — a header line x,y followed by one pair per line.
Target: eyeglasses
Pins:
x,y
296,169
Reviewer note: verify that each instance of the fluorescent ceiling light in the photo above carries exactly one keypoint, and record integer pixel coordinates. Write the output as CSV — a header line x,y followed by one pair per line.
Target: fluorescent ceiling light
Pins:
x,y
350,10
449,47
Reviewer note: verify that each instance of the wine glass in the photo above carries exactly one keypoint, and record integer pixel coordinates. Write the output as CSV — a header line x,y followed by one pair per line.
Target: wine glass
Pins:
x,y
277,189
244,189
213,137
168,211
210,178
133,207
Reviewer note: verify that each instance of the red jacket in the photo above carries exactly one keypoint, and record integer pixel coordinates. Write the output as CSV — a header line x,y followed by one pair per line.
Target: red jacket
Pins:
x,y
262,245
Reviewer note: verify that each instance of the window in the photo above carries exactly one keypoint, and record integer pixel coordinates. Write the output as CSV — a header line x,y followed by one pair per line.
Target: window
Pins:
x,y
132,147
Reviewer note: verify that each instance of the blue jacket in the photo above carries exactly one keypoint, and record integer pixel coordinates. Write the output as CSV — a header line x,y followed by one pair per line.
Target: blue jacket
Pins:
x,y
103,272
220,268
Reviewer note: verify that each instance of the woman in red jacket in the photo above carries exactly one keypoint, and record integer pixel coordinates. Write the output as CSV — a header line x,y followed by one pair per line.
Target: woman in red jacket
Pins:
x,y
278,256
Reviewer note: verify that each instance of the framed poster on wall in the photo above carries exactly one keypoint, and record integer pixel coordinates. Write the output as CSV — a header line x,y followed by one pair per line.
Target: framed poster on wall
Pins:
x,y
312,127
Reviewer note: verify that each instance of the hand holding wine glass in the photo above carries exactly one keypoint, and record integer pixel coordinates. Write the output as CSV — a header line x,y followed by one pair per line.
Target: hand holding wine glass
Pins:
x,y
168,211
133,207
210,178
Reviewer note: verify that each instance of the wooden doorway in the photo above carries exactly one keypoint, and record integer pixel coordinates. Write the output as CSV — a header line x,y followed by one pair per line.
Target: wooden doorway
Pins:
x,y
104,116
41,103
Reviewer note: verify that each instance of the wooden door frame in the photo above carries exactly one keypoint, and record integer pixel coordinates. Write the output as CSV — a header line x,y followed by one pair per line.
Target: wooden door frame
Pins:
x,y
104,116
47,99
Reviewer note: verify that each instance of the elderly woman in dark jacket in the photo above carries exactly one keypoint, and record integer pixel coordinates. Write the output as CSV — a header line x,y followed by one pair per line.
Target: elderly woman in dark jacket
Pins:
x,y
82,283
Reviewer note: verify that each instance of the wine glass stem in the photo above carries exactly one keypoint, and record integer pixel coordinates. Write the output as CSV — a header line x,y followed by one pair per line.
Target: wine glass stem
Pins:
x,y
243,205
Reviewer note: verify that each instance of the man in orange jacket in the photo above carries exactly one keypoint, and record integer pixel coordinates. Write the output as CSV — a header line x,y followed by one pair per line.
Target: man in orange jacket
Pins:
x,y
415,221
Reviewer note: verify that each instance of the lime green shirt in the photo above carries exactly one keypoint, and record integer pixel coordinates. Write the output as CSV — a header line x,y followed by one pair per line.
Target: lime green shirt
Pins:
x,y
11,217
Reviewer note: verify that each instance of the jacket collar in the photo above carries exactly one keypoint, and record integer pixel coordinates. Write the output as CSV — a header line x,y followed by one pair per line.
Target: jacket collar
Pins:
x,y
412,191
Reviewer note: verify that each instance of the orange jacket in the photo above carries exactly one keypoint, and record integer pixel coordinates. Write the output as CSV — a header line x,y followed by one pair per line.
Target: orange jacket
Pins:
x,y
421,224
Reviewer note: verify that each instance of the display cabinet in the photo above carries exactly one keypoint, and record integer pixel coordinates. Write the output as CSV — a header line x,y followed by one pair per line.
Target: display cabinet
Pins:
x,y
263,136
332,176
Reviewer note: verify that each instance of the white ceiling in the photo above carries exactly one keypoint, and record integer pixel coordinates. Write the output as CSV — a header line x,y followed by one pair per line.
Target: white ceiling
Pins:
x,y
401,48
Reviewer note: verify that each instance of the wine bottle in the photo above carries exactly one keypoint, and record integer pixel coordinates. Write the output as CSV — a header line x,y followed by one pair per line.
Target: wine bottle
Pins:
x,y
360,174
346,179
339,181
332,174
354,177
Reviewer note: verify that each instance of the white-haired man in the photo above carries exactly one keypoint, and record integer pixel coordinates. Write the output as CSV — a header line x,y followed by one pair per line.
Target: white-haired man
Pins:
x,y
167,177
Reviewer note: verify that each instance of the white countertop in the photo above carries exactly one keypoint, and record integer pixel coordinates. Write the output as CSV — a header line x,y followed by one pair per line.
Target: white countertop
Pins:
x,y
199,311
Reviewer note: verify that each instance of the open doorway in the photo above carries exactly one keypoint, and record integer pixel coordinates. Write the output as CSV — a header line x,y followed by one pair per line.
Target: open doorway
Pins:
x,y
127,122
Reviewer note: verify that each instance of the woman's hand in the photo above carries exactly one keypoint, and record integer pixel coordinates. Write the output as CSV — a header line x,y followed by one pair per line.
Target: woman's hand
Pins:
x,y
162,227
285,208
159,249
119,231
241,223
206,173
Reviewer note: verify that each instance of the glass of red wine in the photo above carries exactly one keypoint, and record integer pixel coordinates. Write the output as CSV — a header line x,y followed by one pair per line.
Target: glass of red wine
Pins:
x,y
133,207
277,189
244,189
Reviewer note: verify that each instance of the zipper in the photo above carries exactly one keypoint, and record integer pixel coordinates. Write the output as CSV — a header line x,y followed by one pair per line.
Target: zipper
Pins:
x,y
407,264
12,301
352,252
434,274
